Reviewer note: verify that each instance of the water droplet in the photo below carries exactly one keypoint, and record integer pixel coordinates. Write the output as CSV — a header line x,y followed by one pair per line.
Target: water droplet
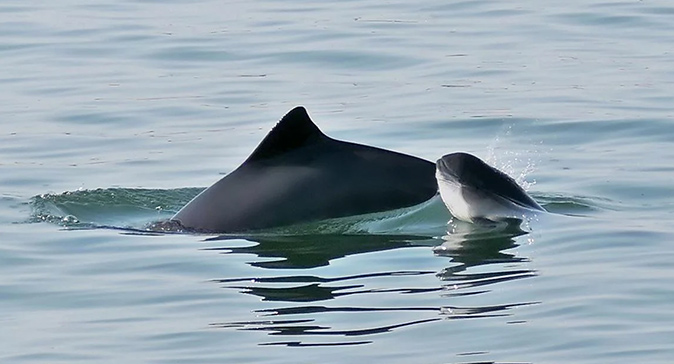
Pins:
x,y
69,219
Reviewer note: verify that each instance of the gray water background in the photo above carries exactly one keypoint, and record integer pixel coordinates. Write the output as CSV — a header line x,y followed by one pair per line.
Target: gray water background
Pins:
x,y
117,112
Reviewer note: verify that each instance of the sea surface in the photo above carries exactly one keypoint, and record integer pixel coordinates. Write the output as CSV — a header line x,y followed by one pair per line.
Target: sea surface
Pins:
x,y
116,113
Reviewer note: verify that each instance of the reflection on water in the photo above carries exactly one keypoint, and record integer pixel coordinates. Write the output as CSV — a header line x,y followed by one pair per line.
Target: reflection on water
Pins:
x,y
298,313
311,251
471,247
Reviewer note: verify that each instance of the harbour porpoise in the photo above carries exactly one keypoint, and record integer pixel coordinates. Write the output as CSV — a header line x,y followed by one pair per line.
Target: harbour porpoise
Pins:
x,y
472,190
298,174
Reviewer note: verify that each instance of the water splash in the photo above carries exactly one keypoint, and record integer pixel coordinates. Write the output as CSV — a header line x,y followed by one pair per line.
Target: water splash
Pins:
x,y
515,163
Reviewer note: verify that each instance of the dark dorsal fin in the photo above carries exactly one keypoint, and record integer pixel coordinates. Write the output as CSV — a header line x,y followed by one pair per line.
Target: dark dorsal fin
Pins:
x,y
293,131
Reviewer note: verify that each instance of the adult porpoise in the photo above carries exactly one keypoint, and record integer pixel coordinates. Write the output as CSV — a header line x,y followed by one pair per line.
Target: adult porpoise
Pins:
x,y
298,174
472,190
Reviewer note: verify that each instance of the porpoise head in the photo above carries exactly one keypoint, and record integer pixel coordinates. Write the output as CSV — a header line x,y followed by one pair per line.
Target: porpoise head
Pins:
x,y
473,190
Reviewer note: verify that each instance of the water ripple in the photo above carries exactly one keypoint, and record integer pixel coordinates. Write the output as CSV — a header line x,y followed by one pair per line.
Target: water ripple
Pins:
x,y
481,247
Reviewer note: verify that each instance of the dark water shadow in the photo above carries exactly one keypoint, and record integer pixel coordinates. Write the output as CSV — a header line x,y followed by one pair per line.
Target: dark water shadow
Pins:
x,y
316,250
307,302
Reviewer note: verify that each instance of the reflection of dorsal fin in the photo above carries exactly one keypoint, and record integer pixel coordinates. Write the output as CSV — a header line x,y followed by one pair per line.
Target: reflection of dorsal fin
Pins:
x,y
293,131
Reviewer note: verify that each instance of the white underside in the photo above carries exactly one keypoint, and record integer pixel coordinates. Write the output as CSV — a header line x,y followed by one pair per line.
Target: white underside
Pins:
x,y
468,205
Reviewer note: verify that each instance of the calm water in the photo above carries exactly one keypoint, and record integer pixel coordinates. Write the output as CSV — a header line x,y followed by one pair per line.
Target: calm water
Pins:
x,y
115,113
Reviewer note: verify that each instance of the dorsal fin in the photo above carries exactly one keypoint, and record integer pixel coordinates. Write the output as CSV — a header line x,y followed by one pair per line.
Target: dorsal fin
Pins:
x,y
293,131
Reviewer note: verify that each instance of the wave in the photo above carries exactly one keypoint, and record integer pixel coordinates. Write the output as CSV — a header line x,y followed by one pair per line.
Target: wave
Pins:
x,y
148,210
130,208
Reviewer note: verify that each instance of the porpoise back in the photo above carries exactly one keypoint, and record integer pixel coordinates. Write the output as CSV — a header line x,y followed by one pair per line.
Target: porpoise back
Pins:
x,y
298,174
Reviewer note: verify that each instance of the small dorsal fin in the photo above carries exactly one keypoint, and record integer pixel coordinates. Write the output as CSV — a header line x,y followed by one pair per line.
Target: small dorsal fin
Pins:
x,y
293,131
